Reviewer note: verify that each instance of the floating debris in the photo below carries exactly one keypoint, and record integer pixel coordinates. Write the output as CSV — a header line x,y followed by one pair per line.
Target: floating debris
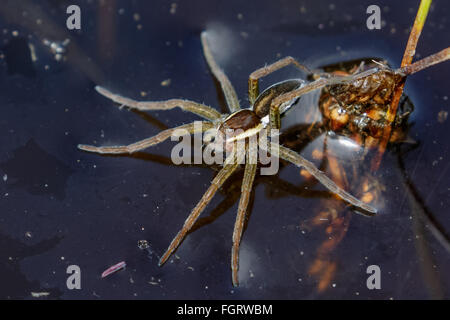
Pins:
x,y
143,244
166,83
119,266
58,48
173,8
32,52
5,177
442,116
39,294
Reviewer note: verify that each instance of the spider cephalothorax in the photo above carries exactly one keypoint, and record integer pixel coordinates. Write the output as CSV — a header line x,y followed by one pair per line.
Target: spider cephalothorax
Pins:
x,y
239,126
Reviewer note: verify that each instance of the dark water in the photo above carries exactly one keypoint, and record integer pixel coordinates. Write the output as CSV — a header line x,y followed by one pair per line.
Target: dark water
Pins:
x,y
62,207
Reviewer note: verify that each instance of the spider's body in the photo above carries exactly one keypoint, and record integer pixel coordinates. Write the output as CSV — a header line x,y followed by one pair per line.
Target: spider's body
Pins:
x,y
261,119
245,123
240,125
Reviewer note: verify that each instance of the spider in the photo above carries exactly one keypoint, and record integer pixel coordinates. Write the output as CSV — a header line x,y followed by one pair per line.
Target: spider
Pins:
x,y
259,119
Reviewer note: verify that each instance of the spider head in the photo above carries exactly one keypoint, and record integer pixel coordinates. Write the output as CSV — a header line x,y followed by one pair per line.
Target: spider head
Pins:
x,y
238,126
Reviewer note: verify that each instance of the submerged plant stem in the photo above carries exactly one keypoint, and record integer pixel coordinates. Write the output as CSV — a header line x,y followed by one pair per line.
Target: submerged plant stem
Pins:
x,y
406,61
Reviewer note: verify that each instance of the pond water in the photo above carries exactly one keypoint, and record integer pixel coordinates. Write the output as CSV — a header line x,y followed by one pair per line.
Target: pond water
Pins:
x,y
60,206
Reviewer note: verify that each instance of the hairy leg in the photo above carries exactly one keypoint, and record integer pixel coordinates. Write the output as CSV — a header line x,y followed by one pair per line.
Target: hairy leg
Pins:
x,y
186,105
160,137
294,158
227,87
229,167
253,81
274,114
246,189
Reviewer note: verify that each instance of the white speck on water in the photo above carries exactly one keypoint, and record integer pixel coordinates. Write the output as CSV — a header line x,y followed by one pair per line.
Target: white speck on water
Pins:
x,y
39,294
173,8
165,83
5,177
244,34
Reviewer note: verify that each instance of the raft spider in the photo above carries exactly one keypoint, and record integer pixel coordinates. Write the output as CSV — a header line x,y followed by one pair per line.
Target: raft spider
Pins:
x,y
264,114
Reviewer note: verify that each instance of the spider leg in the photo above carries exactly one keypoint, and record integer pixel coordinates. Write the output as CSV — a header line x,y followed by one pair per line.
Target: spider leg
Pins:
x,y
253,81
227,87
274,114
294,158
229,167
186,105
246,189
142,144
